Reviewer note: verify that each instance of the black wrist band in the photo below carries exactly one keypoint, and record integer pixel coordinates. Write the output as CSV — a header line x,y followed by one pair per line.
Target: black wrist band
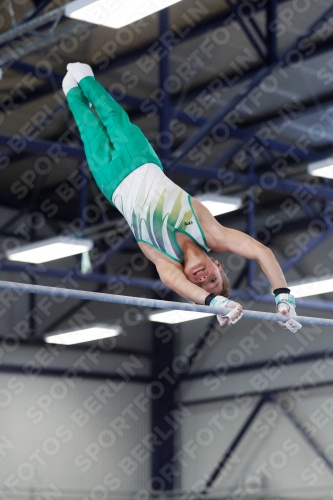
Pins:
x,y
209,298
281,290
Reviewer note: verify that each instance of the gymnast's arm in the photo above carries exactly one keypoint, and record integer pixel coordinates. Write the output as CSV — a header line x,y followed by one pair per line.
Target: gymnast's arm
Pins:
x,y
173,277
231,240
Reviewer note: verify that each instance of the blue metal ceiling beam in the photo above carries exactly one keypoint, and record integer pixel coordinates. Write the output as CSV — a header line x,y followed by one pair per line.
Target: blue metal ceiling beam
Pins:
x,y
70,274
179,36
288,186
267,183
39,145
240,20
232,447
272,44
190,143
303,252
165,109
245,135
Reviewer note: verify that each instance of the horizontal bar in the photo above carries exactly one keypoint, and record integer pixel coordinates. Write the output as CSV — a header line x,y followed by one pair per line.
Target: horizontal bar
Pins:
x,y
143,302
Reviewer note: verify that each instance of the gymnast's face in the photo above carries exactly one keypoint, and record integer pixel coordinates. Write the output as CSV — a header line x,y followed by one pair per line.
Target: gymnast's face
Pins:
x,y
205,274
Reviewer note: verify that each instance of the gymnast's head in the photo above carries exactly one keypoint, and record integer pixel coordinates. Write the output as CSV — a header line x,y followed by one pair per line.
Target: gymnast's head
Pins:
x,y
209,275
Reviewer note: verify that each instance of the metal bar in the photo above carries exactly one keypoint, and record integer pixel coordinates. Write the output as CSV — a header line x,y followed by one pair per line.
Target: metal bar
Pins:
x,y
136,102
68,275
257,30
251,222
178,378
288,186
7,60
116,249
192,141
246,133
164,73
38,342
306,435
72,274
83,196
271,17
41,5
178,36
259,365
308,249
303,252
254,394
143,302
162,410
69,314
247,32
32,24
60,372
235,442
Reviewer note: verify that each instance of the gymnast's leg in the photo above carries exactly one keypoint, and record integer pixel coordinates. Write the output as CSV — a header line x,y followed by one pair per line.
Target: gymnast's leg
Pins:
x,y
97,145
131,148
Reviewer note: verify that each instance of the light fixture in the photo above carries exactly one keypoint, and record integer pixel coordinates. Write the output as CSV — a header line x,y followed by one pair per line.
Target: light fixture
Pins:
x,y
88,334
173,317
323,168
218,205
311,286
50,249
114,13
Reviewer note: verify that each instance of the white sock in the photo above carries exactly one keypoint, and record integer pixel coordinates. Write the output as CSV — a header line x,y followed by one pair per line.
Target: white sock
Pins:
x,y
79,71
68,83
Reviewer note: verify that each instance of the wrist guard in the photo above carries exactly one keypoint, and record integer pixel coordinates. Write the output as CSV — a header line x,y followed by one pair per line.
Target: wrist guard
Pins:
x,y
286,298
219,301
209,298
216,300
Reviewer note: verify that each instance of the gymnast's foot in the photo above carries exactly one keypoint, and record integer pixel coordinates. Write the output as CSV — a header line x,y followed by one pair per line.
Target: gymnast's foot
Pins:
x,y
68,83
79,71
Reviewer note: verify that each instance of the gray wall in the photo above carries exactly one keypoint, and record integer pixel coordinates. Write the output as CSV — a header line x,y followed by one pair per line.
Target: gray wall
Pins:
x,y
69,433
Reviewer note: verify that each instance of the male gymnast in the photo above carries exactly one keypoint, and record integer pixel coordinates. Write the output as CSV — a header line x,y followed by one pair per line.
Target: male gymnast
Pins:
x,y
173,230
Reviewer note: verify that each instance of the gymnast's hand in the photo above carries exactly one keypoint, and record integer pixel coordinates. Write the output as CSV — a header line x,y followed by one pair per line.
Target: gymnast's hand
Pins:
x,y
236,310
286,306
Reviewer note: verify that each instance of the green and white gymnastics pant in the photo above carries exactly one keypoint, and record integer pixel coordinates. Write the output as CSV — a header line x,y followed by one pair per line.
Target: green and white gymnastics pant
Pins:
x,y
114,147
129,173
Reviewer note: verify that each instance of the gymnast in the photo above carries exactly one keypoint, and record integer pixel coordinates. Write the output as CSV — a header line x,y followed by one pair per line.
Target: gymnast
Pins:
x,y
173,230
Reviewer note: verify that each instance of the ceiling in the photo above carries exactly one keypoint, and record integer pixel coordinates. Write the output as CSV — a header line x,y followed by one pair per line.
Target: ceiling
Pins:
x,y
293,108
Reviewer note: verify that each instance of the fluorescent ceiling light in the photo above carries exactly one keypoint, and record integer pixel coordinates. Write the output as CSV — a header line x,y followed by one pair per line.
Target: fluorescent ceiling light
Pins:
x,y
218,205
89,334
114,13
322,168
50,249
311,286
173,317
